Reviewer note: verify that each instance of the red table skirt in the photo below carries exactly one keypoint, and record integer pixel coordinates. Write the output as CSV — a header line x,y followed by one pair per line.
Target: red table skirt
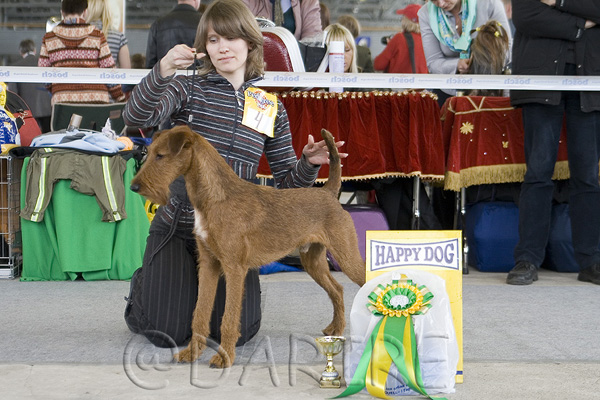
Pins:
x,y
484,138
387,134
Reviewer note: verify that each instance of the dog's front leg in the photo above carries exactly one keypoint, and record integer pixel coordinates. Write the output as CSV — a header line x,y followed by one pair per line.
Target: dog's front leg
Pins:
x,y
235,278
208,277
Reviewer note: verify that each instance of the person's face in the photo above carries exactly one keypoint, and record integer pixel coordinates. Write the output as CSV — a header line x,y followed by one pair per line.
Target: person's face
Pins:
x,y
228,55
348,55
447,5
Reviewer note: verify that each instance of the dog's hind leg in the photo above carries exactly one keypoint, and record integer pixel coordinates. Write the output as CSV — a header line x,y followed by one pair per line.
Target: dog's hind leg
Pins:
x,y
209,271
344,248
315,264
235,278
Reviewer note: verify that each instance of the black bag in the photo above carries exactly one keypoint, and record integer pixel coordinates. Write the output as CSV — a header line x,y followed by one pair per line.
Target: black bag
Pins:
x,y
312,56
395,196
161,302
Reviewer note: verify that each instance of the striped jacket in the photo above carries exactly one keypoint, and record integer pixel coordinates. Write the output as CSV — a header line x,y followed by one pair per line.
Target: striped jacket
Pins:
x,y
212,108
78,45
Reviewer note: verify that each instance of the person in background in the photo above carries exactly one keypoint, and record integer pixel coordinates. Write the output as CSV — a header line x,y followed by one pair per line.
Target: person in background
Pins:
x,y
35,94
508,10
301,17
446,34
489,51
325,15
395,57
556,38
138,61
395,195
75,43
446,27
212,97
177,27
338,32
106,18
364,61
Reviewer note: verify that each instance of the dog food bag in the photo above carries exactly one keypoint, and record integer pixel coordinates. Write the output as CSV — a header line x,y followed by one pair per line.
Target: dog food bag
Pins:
x,y
434,336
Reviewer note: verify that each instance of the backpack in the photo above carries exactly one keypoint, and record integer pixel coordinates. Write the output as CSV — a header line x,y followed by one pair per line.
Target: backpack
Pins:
x,y
27,125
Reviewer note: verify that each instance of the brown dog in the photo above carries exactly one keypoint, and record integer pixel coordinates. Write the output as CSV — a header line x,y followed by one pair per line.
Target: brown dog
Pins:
x,y
241,225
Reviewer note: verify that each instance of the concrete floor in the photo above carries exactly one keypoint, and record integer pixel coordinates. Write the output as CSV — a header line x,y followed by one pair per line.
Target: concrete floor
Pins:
x,y
547,348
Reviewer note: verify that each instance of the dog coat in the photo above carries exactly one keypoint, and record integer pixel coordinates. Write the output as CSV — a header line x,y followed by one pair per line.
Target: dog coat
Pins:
x,y
100,176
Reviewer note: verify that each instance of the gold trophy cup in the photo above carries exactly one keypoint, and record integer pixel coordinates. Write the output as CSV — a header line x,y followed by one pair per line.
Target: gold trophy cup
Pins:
x,y
330,346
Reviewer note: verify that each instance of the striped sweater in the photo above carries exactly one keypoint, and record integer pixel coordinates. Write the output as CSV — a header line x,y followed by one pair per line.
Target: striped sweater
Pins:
x,y
78,45
211,107
115,40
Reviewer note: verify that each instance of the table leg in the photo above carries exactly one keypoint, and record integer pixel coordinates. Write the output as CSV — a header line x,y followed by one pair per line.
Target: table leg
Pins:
x,y
416,217
463,215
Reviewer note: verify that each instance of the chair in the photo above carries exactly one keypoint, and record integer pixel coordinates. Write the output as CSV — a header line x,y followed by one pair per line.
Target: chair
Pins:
x,y
94,116
281,50
282,53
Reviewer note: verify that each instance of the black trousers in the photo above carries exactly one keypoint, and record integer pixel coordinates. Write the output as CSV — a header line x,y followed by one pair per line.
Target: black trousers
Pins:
x,y
164,290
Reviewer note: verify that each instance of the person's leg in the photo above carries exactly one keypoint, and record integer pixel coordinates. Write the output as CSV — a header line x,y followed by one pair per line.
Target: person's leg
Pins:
x,y
583,143
542,125
164,294
442,96
169,290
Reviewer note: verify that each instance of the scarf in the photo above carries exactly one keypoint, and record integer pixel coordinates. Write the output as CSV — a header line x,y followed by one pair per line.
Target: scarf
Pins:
x,y
444,31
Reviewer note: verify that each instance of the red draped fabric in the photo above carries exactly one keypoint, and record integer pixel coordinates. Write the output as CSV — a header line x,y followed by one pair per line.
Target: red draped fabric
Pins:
x,y
484,138
386,133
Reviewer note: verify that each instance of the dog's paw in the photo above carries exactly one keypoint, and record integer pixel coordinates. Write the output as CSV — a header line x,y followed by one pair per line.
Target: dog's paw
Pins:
x,y
220,361
333,330
186,355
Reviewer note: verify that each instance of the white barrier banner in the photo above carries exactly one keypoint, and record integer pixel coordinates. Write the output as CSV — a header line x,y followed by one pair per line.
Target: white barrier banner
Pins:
x,y
382,81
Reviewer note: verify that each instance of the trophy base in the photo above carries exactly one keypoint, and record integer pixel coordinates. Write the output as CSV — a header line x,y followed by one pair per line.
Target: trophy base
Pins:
x,y
330,383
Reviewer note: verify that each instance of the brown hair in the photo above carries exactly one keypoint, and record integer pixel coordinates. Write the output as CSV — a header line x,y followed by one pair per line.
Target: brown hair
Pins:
x,y
232,19
138,60
489,51
351,23
325,15
26,46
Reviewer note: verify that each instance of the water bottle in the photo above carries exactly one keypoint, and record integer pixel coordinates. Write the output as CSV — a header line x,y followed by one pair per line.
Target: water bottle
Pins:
x,y
74,123
336,61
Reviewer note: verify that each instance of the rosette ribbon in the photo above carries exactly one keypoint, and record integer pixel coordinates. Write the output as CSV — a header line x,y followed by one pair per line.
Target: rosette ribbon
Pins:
x,y
392,339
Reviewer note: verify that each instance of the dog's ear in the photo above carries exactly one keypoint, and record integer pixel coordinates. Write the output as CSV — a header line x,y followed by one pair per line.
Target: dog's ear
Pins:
x,y
178,139
156,135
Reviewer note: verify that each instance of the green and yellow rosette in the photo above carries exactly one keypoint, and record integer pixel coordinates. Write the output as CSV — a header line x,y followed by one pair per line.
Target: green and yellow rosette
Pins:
x,y
150,209
392,339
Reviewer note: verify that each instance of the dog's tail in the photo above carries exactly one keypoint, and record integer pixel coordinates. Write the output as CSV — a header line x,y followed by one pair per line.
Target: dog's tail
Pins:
x,y
334,183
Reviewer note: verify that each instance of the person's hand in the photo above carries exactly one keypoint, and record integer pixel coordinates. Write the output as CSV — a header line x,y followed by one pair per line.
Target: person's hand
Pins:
x,y
179,57
589,24
463,66
550,3
317,154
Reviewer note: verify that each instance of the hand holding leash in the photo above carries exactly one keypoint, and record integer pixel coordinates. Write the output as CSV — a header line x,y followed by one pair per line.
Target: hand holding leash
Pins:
x,y
179,57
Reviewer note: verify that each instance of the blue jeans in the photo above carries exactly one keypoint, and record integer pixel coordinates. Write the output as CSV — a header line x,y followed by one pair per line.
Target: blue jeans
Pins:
x,y
542,125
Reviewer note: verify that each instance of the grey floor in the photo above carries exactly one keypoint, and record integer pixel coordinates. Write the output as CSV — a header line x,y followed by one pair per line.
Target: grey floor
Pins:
x,y
68,340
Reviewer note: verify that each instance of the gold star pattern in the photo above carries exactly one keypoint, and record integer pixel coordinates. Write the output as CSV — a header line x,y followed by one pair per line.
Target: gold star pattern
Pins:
x,y
466,128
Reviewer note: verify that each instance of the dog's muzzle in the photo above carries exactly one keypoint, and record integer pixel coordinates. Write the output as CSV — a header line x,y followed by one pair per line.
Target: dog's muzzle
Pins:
x,y
135,187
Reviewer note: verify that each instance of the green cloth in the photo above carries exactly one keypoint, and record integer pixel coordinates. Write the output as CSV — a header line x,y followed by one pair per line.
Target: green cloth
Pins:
x,y
72,240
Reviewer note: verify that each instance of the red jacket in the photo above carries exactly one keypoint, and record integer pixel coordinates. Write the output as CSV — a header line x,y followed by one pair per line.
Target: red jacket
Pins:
x,y
395,58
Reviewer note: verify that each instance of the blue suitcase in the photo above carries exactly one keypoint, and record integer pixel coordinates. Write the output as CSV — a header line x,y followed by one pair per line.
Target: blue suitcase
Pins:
x,y
492,231
559,252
